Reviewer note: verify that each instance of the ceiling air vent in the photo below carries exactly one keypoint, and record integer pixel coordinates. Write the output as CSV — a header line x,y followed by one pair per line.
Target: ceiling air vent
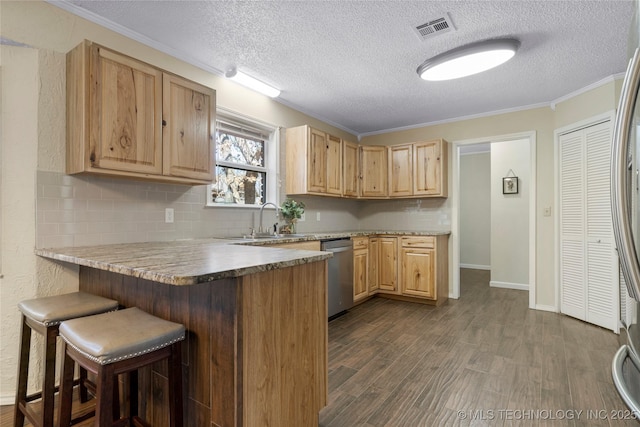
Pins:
x,y
434,27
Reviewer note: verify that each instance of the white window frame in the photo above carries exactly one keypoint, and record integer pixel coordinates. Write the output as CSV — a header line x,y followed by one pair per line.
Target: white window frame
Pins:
x,y
271,155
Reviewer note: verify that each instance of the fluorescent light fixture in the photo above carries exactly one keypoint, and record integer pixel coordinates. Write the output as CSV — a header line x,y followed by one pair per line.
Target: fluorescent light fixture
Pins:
x,y
251,83
467,60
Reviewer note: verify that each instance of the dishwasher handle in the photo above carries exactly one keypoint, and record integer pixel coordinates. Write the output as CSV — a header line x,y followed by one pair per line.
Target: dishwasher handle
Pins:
x,y
337,250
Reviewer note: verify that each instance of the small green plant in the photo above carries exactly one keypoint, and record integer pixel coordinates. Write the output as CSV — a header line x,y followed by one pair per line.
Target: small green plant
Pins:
x,y
291,210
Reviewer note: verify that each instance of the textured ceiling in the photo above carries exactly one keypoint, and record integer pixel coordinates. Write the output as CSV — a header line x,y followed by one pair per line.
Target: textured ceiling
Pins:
x,y
353,63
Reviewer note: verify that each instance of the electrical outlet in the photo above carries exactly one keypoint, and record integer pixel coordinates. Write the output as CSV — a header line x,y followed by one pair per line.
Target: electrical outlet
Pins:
x,y
168,215
301,218
317,216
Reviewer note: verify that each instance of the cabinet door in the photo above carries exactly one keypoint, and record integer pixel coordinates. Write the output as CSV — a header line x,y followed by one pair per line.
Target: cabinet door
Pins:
x,y
374,171
417,273
428,170
351,169
374,257
317,162
334,165
400,170
189,117
360,273
125,118
388,264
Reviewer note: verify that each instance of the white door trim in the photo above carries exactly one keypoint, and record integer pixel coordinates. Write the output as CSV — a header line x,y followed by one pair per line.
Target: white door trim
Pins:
x,y
454,286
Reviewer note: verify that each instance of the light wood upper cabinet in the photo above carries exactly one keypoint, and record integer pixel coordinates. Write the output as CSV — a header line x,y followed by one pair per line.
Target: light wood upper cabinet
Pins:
x,y
188,112
373,169
334,165
430,168
313,162
317,161
350,169
115,109
401,170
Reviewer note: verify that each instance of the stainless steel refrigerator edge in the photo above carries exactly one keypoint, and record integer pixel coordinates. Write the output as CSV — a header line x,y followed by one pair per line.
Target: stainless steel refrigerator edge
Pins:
x,y
625,199
340,275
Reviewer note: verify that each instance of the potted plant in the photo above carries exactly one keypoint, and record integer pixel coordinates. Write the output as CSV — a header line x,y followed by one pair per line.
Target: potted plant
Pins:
x,y
291,212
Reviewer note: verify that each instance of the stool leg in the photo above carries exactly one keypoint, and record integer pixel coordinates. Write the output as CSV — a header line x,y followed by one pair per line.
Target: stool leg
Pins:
x,y
104,396
175,386
49,385
84,396
66,388
23,373
133,393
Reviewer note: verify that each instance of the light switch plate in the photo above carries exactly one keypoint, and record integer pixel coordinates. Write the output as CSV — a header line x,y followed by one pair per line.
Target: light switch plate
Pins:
x,y
317,216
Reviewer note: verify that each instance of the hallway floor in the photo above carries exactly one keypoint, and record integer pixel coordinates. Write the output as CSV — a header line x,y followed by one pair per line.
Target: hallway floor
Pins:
x,y
485,359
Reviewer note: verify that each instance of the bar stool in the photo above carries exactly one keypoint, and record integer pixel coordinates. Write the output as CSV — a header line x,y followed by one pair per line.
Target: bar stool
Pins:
x,y
44,315
115,343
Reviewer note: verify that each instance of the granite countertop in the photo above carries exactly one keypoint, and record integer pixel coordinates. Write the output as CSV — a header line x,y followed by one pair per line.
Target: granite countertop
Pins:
x,y
183,262
188,262
284,238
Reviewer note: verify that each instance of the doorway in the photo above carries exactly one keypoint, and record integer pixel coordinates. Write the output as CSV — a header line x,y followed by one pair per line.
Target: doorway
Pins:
x,y
508,221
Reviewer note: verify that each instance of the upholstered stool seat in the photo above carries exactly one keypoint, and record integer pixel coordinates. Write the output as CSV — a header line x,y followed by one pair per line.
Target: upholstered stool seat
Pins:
x,y
110,344
44,315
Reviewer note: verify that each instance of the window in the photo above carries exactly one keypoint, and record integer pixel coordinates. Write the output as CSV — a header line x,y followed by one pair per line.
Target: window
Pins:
x,y
246,154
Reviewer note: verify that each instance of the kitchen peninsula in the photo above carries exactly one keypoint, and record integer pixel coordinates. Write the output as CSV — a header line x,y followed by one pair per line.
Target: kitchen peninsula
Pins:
x,y
256,346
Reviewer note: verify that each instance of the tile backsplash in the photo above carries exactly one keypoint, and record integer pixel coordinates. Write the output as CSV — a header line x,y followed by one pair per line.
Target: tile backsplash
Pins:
x,y
81,210
74,210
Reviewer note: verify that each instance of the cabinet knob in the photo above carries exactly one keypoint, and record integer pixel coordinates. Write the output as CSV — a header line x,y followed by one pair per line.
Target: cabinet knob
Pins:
x,y
164,122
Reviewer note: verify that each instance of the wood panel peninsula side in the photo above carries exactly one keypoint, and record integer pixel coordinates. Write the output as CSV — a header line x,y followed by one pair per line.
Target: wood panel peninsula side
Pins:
x,y
256,318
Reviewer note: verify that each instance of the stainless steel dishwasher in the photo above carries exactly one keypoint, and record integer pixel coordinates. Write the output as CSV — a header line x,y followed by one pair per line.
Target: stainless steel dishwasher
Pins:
x,y
340,277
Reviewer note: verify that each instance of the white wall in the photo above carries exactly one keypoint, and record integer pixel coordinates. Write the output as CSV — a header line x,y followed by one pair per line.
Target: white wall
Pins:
x,y
475,210
510,215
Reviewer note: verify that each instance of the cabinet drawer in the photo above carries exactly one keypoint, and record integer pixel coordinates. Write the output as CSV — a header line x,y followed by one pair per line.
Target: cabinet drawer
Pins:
x,y
360,242
419,242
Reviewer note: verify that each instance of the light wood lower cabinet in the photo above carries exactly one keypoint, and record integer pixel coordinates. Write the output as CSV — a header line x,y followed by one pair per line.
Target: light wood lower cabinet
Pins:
x,y
388,264
424,267
360,268
411,268
374,262
417,276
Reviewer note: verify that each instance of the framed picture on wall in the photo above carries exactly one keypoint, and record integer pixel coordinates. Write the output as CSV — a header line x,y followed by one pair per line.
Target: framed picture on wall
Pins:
x,y
510,185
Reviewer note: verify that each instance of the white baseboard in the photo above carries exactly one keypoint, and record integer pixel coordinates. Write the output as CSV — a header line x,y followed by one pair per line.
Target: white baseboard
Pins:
x,y
475,266
507,285
550,308
7,400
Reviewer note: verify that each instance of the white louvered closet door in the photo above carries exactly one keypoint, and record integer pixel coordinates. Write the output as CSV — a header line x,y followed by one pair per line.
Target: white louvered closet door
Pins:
x,y
588,263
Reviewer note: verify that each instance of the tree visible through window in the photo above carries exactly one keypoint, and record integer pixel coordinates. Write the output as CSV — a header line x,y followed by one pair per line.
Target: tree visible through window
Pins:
x,y
241,173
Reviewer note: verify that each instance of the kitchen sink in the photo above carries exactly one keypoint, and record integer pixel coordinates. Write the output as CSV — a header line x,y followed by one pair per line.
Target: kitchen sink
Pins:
x,y
266,237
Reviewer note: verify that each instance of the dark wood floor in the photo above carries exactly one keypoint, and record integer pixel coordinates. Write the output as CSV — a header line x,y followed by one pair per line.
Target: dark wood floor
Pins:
x,y
394,363
485,356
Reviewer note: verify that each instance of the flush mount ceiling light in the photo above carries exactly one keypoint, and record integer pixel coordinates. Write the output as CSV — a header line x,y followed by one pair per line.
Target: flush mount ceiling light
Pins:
x,y
469,59
251,83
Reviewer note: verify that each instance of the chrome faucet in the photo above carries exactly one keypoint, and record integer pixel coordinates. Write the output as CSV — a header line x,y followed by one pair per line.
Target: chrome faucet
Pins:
x,y
261,229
